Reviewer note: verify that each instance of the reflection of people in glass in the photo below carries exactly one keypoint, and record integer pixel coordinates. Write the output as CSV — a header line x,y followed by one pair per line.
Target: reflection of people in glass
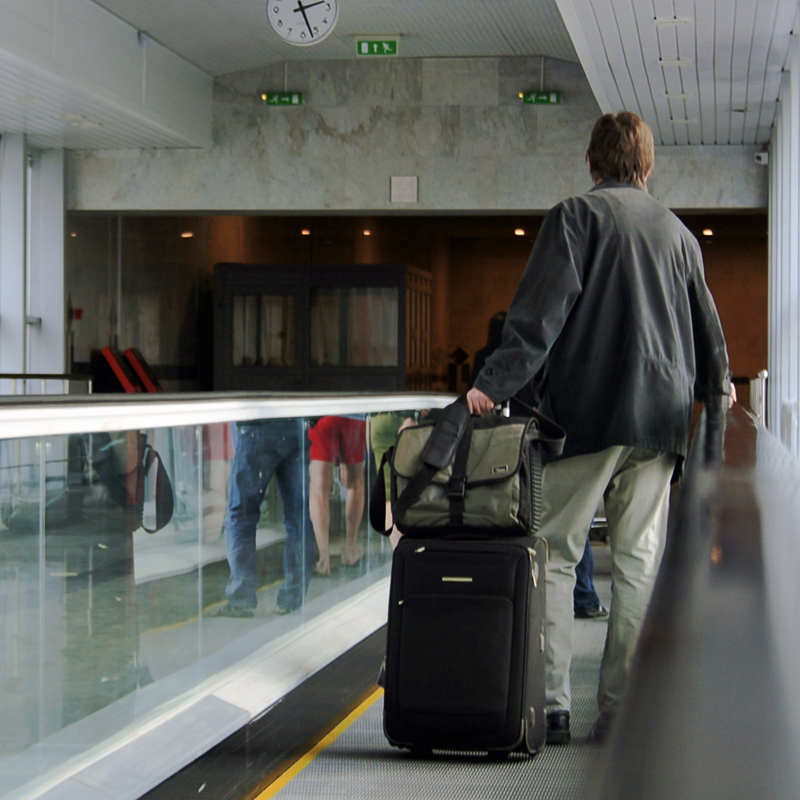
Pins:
x,y
265,448
342,441
101,658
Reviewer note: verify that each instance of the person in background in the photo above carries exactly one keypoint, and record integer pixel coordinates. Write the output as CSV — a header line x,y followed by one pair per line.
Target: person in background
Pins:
x,y
614,308
585,600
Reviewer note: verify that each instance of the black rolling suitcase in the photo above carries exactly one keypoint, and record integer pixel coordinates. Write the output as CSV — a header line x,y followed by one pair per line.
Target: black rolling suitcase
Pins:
x,y
465,645
465,633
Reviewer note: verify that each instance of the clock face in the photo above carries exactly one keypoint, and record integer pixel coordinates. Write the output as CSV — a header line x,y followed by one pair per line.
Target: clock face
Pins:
x,y
302,21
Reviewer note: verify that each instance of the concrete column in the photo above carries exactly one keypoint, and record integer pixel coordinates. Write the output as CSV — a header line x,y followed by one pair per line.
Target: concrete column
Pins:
x,y
13,248
783,386
783,389
46,341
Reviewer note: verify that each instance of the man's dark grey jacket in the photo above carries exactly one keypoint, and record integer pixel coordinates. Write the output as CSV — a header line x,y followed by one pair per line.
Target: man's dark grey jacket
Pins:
x,y
614,320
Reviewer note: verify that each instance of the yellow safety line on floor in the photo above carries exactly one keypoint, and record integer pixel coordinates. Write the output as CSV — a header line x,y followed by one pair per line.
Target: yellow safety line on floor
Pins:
x,y
330,738
183,623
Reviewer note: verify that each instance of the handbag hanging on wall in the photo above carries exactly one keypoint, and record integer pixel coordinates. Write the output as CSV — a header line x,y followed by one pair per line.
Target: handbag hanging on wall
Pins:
x,y
467,474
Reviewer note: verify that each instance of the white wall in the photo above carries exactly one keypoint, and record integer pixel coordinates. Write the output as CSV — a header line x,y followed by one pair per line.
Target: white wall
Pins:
x,y
32,312
783,386
458,125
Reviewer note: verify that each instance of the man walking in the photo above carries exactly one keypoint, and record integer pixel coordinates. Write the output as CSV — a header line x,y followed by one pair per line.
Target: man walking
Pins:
x,y
614,309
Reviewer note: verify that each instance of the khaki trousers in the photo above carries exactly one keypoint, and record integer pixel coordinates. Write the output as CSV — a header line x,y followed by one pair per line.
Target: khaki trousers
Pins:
x,y
634,485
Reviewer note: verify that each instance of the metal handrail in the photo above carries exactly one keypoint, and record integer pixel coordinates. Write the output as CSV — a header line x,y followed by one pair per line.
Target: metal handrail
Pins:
x,y
713,706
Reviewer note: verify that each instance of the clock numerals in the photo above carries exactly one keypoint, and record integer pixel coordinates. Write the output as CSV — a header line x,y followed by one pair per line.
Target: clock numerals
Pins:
x,y
311,20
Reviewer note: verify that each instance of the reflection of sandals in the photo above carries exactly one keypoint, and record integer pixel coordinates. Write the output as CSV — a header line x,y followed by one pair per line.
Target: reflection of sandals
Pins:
x,y
351,563
323,574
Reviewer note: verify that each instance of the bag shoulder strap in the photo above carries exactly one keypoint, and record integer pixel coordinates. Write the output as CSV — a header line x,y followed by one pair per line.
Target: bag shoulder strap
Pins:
x,y
377,497
438,453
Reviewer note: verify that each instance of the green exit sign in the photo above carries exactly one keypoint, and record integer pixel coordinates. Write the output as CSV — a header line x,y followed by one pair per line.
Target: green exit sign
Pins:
x,y
541,98
376,47
283,98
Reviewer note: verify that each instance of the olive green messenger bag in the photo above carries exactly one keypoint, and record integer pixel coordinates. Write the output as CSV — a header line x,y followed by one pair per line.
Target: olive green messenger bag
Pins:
x,y
467,474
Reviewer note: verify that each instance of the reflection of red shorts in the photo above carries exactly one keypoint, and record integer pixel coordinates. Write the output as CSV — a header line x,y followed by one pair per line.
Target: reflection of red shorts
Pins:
x,y
338,440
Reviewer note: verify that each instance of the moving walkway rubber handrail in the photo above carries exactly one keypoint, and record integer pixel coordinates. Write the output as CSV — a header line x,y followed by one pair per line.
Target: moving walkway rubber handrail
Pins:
x,y
713,706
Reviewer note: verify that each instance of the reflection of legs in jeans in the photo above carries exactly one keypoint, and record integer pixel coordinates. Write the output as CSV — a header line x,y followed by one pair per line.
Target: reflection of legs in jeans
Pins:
x,y
337,440
263,449
298,551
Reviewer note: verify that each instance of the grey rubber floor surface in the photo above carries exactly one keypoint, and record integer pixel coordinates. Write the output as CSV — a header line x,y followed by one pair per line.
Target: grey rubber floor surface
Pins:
x,y
361,764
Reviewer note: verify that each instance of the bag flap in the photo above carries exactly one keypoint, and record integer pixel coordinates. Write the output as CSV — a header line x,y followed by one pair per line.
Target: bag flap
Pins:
x,y
495,450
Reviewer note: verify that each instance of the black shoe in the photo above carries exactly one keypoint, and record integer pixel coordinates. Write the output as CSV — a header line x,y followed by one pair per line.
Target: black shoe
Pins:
x,y
227,610
600,729
592,613
558,727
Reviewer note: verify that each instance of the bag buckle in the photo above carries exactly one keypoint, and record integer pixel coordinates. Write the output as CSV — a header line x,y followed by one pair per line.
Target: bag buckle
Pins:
x,y
457,487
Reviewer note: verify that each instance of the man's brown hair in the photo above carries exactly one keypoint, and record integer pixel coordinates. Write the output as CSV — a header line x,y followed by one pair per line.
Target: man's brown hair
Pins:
x,y
621,147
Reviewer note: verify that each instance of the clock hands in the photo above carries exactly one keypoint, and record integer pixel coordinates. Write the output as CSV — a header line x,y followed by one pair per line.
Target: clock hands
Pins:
x,y
302,9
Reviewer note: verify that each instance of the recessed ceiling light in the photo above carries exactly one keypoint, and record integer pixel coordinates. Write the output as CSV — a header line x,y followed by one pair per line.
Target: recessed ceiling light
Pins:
x,y
187,235
367,233
306,232
74,235
708,232
519,232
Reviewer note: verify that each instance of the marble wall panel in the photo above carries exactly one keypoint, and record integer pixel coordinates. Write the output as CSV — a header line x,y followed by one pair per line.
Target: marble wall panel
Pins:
x,y
711,177
537,183
497,131
364,121
460,81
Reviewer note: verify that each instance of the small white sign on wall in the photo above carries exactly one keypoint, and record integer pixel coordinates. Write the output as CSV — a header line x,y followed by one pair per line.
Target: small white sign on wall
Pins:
x,y
403,189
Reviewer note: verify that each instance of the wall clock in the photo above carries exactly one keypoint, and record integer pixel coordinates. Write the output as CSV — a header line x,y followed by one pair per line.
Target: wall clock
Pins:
x,y
302,22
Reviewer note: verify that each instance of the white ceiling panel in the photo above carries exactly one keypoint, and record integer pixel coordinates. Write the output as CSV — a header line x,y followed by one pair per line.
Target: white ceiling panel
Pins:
x,y
224,36
699,71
